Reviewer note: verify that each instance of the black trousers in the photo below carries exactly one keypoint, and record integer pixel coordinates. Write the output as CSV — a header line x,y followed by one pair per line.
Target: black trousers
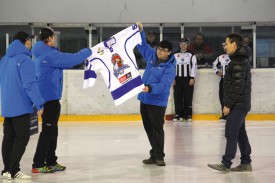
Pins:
x,y
153,121
47,142
235,133
183,97
16,137
221,93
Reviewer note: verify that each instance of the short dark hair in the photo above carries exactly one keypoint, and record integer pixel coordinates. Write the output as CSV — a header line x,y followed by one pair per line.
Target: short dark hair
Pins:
x,y
45,33
235,37
151,32
166,44
199,34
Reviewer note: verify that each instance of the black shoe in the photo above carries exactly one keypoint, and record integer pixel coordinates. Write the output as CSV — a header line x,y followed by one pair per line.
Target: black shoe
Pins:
x,y
220,167
242,168
148,161
160,163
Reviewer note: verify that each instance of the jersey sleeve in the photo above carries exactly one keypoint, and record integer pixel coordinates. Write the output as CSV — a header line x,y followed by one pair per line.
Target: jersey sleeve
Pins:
x,y
135,37
194,66
215,65
89,73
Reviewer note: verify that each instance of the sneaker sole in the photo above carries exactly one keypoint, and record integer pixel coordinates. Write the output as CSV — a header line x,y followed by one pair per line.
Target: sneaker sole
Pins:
x,y
148,163
37,171
225,171
161,164
22,178
59,170
177,120
247,171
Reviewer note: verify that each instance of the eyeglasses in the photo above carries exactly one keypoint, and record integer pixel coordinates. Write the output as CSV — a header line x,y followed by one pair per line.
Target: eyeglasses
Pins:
x,y
162,49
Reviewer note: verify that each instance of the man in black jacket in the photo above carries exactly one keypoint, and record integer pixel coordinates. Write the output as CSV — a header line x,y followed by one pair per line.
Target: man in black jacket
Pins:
x,y
237,103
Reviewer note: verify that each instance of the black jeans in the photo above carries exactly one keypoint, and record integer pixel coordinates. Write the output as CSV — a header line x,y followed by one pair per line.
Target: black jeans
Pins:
x,y
183,97
47,142
153,121
235,133
221,93
16,137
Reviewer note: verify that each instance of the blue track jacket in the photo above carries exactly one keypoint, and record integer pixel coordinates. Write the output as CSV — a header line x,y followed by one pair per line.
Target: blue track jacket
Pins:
x,y
160,77
49,65
18,82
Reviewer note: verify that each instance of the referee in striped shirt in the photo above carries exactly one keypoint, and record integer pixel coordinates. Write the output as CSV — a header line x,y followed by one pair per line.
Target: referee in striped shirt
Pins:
x,y
184,82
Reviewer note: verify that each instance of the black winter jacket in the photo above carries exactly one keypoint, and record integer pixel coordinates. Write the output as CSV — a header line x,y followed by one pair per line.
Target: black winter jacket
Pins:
x,y
237,80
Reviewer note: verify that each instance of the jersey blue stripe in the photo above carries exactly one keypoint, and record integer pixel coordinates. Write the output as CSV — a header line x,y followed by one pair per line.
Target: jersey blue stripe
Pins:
x,y
89,74
116,94
106,68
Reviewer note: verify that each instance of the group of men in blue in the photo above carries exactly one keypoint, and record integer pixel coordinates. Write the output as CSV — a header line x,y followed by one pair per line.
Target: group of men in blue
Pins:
x,y
26,83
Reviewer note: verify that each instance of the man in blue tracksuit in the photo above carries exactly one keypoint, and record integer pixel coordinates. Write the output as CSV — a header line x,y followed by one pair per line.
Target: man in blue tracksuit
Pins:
x,y
49,64
157,78
19,93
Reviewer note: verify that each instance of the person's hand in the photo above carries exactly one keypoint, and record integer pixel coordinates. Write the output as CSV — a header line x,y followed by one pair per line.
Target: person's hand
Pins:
x,y
145,89
226,111
140,26
219,74
40,112
192,81
174,82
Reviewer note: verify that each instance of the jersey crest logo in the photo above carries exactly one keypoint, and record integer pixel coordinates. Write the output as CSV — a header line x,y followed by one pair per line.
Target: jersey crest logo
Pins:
x,y
118,65
100,51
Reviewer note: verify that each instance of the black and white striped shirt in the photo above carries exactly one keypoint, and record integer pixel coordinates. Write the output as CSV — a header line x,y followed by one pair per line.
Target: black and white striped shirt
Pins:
x,y
186,64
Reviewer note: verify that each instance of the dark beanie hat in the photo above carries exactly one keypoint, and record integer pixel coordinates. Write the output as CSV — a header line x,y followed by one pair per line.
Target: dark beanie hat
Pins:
x,y
46,32
23,36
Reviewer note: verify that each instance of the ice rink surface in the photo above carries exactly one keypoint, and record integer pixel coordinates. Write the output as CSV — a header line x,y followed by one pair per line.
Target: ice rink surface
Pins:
x,y
112,152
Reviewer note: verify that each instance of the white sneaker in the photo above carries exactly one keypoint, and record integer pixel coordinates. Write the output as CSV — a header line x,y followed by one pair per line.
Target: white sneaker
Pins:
x,y
20,175
6,175
177,118
188,120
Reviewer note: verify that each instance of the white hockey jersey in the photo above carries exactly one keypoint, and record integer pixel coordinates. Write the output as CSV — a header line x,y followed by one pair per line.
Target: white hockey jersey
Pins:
x,y
220,63
115,60
186,64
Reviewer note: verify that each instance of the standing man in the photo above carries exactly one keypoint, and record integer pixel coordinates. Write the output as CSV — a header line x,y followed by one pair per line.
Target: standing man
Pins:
x,y
184,82
157,78
19,93
237,103
219,66
49,64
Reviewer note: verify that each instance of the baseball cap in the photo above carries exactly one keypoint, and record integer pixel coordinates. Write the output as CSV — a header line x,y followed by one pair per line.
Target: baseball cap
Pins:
x,y
23,36
184,40
46,32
